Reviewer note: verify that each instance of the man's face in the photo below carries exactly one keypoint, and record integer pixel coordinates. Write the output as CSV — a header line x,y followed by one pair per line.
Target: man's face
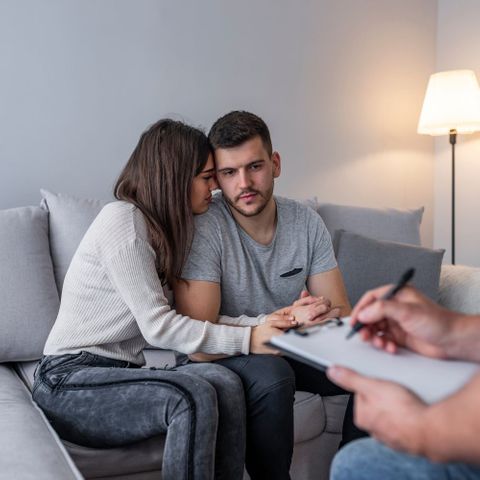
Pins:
x,y
246,176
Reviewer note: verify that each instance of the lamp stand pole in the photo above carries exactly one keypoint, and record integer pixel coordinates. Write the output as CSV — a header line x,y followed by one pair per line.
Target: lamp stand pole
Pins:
x,y
453,141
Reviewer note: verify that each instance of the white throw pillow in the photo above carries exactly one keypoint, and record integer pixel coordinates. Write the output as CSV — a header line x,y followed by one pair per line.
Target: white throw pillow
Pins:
x,y
69,219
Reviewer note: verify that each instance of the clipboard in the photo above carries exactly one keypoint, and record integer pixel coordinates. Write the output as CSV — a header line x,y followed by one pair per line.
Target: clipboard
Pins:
x,y
325,344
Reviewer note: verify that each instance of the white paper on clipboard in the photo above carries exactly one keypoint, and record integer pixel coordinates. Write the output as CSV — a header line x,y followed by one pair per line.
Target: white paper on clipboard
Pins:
x,y
431,379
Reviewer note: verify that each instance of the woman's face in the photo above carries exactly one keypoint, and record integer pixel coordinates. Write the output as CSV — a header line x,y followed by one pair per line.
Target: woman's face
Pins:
x,y
202,186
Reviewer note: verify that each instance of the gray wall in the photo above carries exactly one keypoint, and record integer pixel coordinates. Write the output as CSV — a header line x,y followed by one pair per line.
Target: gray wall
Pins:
x,y
340,83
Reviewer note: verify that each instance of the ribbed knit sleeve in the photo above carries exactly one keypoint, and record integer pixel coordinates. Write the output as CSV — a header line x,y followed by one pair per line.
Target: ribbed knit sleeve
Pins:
x,y
131,270
242,320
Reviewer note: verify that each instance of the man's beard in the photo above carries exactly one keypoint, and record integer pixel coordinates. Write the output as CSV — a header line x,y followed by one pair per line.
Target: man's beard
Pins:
x,y
266,198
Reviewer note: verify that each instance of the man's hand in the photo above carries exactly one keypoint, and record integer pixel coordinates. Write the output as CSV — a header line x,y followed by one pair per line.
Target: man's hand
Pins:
x,y
391,413
408,320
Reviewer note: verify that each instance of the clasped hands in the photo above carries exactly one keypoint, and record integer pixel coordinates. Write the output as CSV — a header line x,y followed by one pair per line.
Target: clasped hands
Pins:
x,y
308,310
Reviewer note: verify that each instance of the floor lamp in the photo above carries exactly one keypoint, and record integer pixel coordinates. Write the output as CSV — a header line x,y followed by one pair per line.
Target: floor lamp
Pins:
x,y
451,106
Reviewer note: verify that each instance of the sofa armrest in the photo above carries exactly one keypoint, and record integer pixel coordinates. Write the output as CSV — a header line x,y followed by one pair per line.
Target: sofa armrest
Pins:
x,y
459,287
29,448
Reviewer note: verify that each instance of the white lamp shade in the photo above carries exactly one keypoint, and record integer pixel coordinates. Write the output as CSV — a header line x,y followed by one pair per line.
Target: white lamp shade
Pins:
x,y
452,101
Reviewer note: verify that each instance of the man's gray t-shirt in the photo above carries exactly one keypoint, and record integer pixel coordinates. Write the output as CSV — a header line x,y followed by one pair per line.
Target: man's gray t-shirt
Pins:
x,y
256,278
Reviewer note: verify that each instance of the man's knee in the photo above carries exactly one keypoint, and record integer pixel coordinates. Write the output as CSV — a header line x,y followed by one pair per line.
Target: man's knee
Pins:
x,y
269,374
369,459
346,461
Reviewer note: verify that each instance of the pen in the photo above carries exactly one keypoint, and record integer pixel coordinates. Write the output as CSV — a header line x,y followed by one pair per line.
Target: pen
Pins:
x,y
404,279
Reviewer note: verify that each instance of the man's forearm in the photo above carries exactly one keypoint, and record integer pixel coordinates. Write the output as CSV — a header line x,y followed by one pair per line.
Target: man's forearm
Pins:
x,y
450,428
463,341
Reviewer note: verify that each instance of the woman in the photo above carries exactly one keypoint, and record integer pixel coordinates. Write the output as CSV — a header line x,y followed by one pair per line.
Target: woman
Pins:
x,y
89,382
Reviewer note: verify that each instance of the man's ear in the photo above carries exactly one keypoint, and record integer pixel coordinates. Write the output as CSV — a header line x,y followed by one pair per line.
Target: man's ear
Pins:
x,y
277,167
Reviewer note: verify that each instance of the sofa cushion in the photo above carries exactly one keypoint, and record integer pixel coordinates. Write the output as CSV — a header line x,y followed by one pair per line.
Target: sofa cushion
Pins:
x,y
69,219
459,287
28,297
30,450
388,224
309,416
367,263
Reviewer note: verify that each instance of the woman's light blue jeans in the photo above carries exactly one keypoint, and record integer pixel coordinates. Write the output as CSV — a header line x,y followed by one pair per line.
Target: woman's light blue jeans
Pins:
x,y
99,402
368,459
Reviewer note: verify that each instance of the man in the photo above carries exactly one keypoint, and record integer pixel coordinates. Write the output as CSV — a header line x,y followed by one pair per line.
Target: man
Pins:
x,y
254,253
413,440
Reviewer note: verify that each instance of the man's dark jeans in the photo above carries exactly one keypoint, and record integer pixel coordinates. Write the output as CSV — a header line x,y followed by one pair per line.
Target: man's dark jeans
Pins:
x,y
99,402
270,383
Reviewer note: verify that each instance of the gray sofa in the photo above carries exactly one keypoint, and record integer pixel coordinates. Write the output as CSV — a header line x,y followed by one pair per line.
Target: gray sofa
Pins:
x,y
36,245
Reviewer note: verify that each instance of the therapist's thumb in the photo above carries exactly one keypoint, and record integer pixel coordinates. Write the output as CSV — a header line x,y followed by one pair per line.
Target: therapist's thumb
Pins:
x,y
348,379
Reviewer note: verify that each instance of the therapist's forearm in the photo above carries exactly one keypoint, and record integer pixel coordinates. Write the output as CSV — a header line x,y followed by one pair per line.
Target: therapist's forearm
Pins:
x,y
450,430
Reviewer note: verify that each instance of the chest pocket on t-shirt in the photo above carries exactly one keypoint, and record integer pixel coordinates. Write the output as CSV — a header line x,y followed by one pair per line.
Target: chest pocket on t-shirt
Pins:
x,y
289,285
291,273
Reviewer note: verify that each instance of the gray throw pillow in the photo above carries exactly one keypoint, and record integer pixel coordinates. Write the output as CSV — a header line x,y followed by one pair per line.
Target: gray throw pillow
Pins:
x,y
367,263
69,219
388,224
28,296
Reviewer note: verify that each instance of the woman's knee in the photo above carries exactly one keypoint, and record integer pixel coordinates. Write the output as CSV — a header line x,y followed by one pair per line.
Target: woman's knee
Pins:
x,y
223,380
192,393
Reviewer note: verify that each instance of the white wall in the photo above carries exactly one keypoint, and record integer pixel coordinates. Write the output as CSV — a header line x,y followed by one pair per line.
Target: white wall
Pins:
x,y
339,83
458,47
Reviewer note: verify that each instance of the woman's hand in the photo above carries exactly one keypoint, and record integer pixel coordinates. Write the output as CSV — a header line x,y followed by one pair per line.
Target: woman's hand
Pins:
x,y
281,319
262,334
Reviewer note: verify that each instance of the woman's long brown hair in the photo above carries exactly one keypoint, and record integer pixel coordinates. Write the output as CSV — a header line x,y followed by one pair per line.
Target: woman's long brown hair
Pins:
x,y
157,179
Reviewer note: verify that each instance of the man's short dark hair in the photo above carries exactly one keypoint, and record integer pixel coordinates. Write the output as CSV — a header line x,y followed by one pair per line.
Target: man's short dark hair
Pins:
x,y
236,128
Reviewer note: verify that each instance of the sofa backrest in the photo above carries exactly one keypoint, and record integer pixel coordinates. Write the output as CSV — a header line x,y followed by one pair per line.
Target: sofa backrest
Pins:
x,y
386,224
459,288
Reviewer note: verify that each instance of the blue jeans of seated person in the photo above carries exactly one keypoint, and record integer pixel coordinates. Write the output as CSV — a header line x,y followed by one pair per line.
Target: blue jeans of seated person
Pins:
x,y
269,383
99,402
368,459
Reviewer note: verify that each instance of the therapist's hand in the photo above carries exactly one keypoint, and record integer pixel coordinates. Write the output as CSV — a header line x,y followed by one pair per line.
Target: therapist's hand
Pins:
x,y
408,320
391,413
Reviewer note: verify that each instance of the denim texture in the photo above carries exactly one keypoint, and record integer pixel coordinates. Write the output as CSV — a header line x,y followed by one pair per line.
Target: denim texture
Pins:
x,y
99,402
368,459
269,385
